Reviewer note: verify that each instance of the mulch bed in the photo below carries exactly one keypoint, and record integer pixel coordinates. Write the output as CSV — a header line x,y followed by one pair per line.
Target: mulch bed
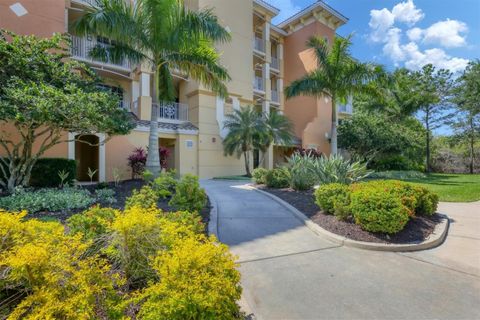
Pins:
x,y
416,230
122,191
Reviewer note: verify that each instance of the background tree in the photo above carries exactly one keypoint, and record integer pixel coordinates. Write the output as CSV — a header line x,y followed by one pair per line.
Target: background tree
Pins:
x,y
164,34
466,97
385,143
338,76
43,95
278,130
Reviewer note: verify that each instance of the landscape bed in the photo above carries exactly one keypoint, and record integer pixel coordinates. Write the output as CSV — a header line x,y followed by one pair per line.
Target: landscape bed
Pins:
x,y
416,230
123,190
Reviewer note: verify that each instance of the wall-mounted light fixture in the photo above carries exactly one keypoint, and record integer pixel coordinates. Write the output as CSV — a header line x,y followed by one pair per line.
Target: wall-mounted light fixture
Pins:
x,y
18,9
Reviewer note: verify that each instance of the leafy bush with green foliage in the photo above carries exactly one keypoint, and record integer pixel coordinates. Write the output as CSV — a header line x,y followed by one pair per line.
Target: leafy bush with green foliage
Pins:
x,y
378,211
326,196
93,223
45,172
191,219
105,196
259,175
300,167
397,175
164,185
146,198
188,195
47,200
278,178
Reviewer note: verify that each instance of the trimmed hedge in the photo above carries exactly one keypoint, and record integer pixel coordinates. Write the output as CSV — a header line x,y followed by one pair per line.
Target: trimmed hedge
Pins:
x,y
278,178
259,175
45,172
377,206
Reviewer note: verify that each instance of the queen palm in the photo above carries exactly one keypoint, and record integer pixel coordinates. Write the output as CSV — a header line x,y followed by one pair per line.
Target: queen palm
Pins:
x,y
338,77
165,35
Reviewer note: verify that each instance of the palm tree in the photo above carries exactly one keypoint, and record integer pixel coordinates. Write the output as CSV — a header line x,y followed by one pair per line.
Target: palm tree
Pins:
x,y
338,77
246,131
167,36
278,130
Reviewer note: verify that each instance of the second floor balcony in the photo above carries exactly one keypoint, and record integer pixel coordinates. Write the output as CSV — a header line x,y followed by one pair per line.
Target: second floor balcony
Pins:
x,y
172,111
258,84
81,47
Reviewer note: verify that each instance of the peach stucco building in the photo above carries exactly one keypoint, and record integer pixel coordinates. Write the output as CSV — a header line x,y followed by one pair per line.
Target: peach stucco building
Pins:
x,y
262,59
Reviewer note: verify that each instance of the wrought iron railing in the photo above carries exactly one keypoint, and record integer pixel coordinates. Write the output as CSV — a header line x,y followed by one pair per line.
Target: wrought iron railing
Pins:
x,y
81,47
172,111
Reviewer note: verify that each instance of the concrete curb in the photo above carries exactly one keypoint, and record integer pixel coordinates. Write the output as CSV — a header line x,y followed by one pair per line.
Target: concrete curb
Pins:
x,y
435,239
213,223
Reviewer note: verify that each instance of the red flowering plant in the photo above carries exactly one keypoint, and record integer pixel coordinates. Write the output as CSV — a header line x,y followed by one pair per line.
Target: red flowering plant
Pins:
x,y
137,161
164,155
312,152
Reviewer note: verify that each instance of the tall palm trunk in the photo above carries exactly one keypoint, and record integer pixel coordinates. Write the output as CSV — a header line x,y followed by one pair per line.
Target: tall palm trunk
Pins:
x,y
333,134
246,155
153,156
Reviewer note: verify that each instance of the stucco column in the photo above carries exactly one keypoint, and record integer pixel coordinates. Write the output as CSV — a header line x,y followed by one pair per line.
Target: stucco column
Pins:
x,y
280,93
266,78
268,155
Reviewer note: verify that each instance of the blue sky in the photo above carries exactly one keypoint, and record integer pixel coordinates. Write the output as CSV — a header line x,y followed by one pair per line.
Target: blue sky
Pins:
x,y
407,33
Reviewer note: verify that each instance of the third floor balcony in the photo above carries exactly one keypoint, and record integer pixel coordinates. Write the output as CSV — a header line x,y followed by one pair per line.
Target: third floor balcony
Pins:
x,y
81,47
258,44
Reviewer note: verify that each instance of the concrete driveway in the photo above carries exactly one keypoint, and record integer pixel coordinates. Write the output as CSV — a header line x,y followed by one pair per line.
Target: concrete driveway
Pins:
x,y
288,272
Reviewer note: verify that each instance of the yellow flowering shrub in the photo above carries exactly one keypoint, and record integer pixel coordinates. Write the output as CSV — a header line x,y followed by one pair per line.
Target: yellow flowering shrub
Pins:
x,y
49,266
198,280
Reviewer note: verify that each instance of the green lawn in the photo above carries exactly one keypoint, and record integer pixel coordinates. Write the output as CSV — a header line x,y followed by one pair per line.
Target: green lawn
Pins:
x,y
452,187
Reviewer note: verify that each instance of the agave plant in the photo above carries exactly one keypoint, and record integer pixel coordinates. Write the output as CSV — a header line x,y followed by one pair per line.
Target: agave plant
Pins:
x,y
301,169
336,169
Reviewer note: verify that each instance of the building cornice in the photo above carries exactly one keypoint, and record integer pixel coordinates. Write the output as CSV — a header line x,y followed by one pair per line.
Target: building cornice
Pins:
x,y
273,10
312,9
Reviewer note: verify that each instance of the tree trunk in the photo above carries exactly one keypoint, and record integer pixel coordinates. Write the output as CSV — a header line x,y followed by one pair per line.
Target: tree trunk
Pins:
x,y
472,145
427,151
333,134
247,163
153,156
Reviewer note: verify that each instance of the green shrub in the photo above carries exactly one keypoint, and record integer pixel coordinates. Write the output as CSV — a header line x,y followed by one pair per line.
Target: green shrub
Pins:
x,y
146,198
427,201
190,219
164,185
378,211
259,175
45,172
188,195
198,280
326,196
47,200
148,176
336,169
105,196
397,175
278,178
92,223
300,167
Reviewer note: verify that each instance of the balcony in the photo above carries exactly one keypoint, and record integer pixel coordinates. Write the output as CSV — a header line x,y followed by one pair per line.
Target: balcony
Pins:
x,y
259,44
275,97
82,46
258,84
172,111
275,63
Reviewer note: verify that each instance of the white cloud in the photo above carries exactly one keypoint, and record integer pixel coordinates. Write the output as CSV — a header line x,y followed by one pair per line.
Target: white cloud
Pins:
x,y
380,22
416,59
415,34
287,9
407,12
447,33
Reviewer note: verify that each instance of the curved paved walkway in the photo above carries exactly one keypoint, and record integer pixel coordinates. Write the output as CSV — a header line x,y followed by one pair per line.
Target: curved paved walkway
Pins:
x,y
288,272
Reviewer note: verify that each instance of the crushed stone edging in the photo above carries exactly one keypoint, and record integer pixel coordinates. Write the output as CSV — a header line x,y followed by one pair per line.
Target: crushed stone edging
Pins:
x,y
435,239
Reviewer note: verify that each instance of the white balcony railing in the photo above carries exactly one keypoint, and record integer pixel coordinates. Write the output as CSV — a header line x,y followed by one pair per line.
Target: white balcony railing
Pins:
x,y
258,44
81,48
275,96
258,84
275,63
172,111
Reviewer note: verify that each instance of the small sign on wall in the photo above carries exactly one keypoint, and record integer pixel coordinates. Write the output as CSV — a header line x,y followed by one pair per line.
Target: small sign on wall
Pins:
x,y
189,144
